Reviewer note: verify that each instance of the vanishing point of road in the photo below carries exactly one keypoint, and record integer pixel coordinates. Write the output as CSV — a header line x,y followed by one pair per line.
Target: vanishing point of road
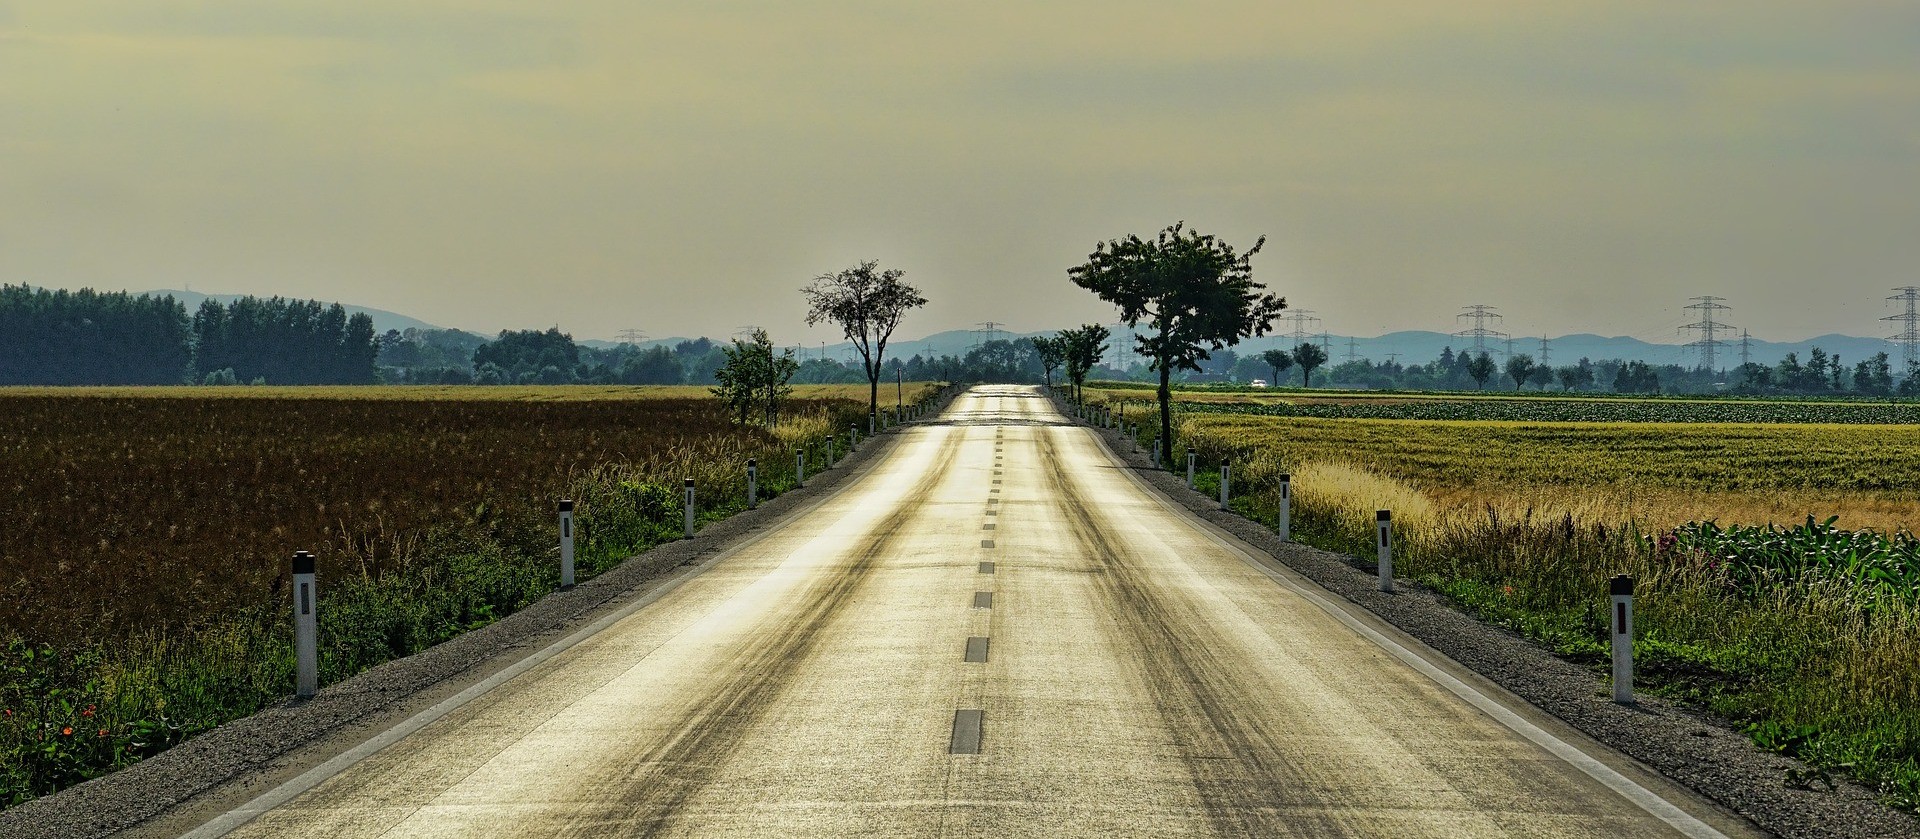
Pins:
x,y
994,629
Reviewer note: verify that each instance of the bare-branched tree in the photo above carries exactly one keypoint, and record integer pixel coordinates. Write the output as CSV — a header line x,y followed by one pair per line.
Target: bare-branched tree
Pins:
x,y
867,303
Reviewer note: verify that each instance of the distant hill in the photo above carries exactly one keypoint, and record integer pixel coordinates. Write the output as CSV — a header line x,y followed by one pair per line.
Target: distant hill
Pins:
x,y
383,320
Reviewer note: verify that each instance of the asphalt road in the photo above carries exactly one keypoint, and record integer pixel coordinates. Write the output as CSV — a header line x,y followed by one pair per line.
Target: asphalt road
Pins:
x,y
996,631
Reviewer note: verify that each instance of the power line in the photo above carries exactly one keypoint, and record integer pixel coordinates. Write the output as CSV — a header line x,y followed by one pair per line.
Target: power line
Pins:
x,y
1479,316
1709,328
1909,336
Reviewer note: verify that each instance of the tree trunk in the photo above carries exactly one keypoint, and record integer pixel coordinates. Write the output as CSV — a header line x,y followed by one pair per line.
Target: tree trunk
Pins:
x,y
1166,411
873,392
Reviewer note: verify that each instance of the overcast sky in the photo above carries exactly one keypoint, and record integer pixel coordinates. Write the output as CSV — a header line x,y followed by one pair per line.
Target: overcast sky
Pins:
x,y
684,168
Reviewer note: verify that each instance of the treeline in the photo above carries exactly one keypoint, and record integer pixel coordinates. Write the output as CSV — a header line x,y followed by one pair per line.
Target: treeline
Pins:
x,y
114,338
450,356
1822,374
91,338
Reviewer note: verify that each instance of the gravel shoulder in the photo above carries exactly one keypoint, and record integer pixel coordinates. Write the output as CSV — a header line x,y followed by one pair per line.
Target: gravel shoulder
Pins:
x,y
179,789
1695,749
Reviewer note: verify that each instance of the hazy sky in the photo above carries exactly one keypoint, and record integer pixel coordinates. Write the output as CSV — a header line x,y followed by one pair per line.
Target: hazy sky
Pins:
x,y
683,168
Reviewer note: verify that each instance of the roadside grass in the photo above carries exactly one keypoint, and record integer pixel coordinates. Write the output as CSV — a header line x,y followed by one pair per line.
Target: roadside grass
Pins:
x,y
1523,528
147,565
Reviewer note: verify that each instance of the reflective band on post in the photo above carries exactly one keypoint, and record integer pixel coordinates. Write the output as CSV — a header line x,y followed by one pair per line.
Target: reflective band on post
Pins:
x,y
1192,458
800,467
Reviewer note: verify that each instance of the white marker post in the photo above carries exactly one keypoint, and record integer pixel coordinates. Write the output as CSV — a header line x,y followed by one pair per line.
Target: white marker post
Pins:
x,y
1192,458
306,628
566,543
689,506
853,438
1621,587
799,466
1156,451
829,463
1226,480
753,484
1285,526
873,419
1384,521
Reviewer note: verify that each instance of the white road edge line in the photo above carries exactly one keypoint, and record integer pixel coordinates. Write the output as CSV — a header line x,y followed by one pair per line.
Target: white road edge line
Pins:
x,y
232,819
1627,788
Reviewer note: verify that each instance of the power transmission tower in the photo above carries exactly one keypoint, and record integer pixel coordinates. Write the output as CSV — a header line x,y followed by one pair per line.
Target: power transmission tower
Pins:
x,y
1543,350
632,336
1479,316
1301,318
1909,335
1393,358
1709,328
1746,349
1326,344
1353,350
1509,342
991,328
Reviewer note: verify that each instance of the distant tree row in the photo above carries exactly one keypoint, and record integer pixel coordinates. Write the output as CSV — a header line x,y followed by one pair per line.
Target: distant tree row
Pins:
x,y
283,342
93,338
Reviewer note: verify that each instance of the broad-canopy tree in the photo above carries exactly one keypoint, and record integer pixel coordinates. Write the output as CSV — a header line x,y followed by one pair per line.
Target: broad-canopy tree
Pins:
x,y
1279,360
1481,368
1052,354
1520,368
1083,348
1308,355
867,303
1195,293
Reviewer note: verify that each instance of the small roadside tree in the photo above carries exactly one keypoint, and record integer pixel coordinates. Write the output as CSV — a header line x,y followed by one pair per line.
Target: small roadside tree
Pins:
x,y
1481,369
867,303
1520,369
1083,349
1279,360
1052,354
754,376
1308,355
1195,293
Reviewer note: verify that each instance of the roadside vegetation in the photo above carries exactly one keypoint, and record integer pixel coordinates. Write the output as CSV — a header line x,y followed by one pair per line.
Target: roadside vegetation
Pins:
x,y
149,532
1754,601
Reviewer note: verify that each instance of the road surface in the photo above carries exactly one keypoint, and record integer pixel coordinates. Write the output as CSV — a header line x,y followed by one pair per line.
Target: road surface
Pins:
x,y
995,631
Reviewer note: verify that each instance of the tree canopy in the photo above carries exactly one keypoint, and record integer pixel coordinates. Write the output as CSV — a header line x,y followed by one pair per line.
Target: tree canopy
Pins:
x,y
868,304
1195,292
